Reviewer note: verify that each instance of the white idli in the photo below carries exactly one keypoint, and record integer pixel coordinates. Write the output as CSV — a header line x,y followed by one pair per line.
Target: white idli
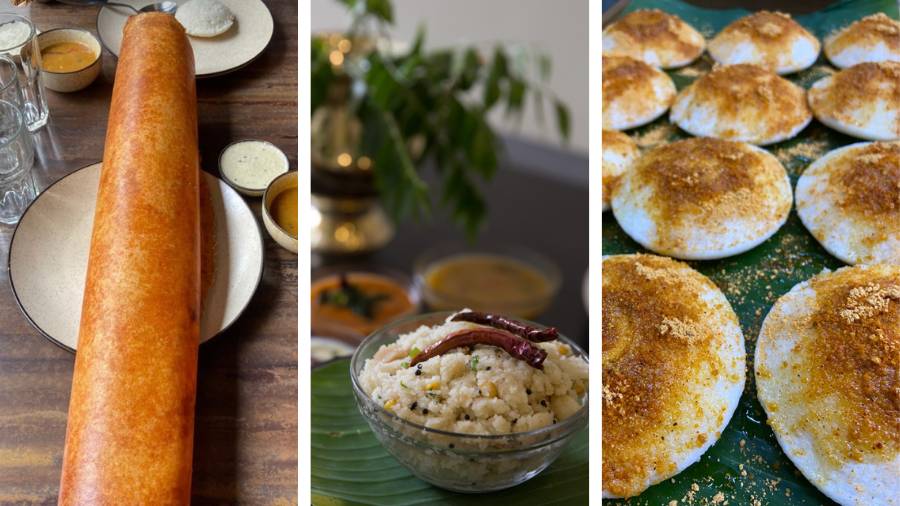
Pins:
x,y
655,37
703,198
871,39
204,18
742,103
673,370
849,200
827,362
634,93
772,40
619,153
862,101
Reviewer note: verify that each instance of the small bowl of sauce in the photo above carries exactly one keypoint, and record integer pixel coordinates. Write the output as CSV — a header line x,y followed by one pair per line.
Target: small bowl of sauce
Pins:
x,y
280,208
506,280
351,304
250,166
70,58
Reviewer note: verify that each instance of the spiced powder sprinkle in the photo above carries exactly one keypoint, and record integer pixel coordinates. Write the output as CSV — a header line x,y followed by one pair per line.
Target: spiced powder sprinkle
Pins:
x,y
751,95
657,332
867,32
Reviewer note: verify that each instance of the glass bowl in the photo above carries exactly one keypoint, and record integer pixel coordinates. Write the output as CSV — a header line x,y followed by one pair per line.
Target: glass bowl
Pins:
x,y
522,304
454,461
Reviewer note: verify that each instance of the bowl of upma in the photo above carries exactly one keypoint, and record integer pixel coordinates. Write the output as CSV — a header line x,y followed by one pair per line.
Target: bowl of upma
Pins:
x,y
471,406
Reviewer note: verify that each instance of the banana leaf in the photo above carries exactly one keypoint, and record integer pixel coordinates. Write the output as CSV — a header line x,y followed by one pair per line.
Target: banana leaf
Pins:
x,y
350,467
746,465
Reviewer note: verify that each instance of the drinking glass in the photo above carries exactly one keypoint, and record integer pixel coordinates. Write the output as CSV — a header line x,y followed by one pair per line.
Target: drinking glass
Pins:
x,y
22,48
10,90
16,160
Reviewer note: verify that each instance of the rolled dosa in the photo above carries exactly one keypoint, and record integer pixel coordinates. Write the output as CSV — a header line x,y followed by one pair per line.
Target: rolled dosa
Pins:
x,y
131,414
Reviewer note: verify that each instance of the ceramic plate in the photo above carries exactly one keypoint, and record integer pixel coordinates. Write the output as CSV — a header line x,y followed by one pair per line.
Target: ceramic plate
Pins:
x,y
49,252
244,41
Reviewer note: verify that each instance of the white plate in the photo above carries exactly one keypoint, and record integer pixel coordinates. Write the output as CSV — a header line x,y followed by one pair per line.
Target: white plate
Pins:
x,y
49,252
242,43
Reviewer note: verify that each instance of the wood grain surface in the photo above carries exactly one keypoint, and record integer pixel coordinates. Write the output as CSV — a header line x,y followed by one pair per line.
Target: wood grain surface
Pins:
x,y
245,447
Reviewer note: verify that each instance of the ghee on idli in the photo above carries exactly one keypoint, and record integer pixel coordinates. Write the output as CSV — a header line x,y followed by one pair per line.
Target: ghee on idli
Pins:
x,y
703,198
862,101
655,37
849,200
742,103
871,39
827,362
772,40
633,93
204,18
673,364
619,154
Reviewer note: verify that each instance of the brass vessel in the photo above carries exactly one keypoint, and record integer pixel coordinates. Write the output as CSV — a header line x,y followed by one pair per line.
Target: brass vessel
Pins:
x,y
347,217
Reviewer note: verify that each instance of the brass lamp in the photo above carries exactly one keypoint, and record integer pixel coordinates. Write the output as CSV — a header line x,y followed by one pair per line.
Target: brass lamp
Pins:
x,y
347,217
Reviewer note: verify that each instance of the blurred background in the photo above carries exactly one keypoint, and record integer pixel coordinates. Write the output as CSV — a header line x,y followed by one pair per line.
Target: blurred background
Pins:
x,y
561,33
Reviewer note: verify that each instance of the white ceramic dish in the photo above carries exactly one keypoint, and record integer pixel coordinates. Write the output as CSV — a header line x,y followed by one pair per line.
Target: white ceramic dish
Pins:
x,y
75,80
252,190
242,43
49,251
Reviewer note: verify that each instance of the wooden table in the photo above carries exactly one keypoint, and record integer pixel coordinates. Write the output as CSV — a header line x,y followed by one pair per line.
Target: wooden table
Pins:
x,y
245,446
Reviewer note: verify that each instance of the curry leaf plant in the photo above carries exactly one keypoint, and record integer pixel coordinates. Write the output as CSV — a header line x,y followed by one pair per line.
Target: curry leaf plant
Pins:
x,y
430,108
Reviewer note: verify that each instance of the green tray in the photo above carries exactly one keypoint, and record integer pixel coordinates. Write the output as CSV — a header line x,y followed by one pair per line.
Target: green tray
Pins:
x,y
349,466
746,464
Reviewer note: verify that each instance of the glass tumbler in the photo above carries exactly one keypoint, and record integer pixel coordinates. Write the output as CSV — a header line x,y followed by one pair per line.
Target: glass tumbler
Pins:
x,y
16,161
10,90
23,50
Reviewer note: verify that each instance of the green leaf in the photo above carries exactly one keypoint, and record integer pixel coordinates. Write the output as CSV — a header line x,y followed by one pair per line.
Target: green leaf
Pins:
x,y
539,105
483,150
473,363
545,67
467,204
467,74
516,96
418,42
562,118
499,71
349,467
402,191
380,9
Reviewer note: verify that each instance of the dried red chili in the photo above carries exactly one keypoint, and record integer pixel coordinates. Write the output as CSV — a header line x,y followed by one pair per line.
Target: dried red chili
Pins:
x,y
518,328
516,346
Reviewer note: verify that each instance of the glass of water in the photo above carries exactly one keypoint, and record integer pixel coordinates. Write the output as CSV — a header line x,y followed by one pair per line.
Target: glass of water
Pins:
x,y
16,160
18,41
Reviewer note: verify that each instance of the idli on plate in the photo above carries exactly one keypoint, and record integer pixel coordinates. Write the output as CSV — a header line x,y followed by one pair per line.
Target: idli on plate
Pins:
x,y
827,372
703,198
204,18
873,38
634,93
862,101
673,364
849,200
744,103
653,36
772,40
619,154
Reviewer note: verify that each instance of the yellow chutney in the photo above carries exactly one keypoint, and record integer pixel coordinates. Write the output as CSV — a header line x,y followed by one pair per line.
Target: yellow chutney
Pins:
x,y
487,282
284,210
66,57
